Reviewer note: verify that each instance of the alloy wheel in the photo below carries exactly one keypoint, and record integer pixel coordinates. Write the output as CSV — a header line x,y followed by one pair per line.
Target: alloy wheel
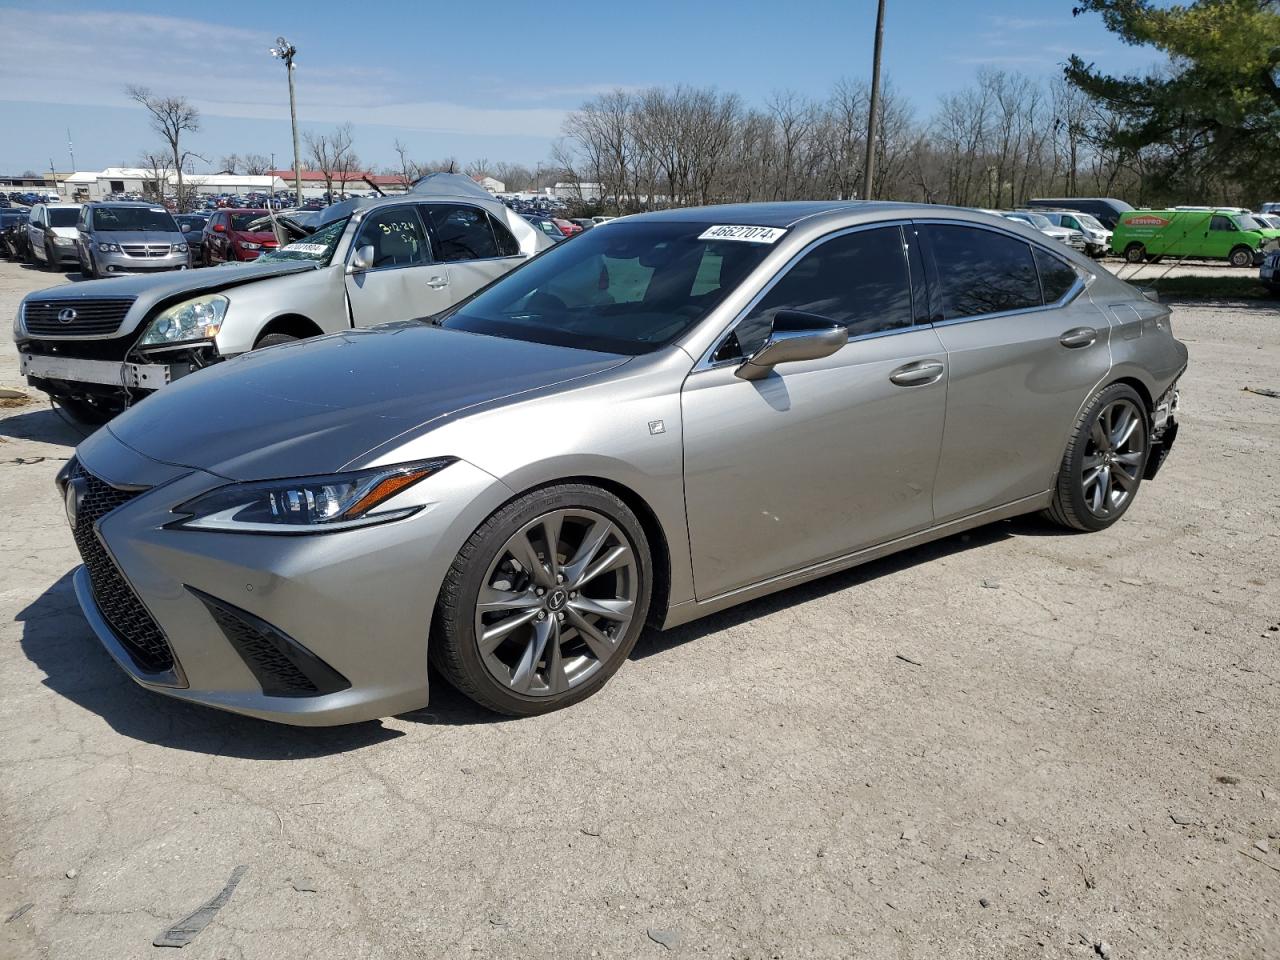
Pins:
x,y
1113,458
556,602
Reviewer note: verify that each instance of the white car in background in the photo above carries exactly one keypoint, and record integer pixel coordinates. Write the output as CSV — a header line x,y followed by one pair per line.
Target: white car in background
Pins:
x,y
1072,238
52,234
1097,238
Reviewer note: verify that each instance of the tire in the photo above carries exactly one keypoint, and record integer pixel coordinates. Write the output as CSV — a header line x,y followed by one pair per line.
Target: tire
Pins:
x,y
1082,504
1135,253
274,339
510,676
1241,257
83,412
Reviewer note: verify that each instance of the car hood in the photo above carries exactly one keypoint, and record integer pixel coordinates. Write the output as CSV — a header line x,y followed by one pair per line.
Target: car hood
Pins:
x,y
316,406
139,236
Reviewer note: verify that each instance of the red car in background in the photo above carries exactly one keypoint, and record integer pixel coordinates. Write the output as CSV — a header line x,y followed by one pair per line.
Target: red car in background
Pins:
x,y
227,237
567,227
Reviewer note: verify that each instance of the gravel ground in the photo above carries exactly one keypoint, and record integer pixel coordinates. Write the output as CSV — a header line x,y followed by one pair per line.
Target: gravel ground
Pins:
x,y
1014,743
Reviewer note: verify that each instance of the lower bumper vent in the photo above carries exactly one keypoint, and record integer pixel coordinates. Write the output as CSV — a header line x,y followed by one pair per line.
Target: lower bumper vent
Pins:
x,y
281,665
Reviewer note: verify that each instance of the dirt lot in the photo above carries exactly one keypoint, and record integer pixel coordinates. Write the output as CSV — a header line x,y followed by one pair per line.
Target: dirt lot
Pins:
x,y
1015,743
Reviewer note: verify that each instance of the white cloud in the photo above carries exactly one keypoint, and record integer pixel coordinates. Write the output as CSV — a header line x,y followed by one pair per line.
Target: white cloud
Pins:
x,y
95,55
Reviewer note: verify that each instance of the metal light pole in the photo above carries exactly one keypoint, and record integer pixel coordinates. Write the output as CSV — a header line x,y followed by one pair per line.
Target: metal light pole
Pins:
x,y
284,50
869,168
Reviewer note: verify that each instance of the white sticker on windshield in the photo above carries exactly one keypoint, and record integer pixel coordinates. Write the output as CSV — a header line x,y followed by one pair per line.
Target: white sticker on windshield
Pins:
x,y
159,210
306,247
744,233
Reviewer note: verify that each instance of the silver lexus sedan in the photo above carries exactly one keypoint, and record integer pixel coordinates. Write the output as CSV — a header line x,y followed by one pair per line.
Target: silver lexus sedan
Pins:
x,y
657,420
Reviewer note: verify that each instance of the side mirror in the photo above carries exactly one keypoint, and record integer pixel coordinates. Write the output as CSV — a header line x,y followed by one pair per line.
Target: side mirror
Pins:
x,y
186,228
795,336
361,260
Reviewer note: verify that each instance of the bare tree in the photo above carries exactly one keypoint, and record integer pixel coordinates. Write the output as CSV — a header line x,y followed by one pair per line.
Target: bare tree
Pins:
x,y
477,168
230,164
515,176
171,117
255,164
158,164
330,153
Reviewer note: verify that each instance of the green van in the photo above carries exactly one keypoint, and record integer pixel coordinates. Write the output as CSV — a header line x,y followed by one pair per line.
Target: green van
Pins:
x,y
1203,234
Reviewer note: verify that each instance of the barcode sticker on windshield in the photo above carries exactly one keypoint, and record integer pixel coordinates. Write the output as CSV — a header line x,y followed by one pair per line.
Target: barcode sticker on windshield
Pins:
x,y
306,247
744,233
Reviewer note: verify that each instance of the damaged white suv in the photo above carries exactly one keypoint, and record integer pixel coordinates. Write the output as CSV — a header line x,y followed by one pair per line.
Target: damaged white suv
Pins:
x,y
98,346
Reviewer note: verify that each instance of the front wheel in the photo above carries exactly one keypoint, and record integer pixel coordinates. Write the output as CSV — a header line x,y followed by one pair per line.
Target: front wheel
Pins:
x,y
1135,253
545,600
1241,257
1104,461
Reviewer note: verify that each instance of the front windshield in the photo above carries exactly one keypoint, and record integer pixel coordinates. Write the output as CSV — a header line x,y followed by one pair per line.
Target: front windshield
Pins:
x,y
243,221
629,289
63,216
1088,220
122,219
1245,222
316,248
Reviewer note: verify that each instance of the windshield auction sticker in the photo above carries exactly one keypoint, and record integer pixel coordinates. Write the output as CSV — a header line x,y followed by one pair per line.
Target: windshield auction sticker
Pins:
x,y
743,233
307,247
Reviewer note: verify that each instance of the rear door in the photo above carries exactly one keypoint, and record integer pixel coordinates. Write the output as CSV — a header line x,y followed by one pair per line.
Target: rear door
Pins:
x,y
1024,349
474,248
403,283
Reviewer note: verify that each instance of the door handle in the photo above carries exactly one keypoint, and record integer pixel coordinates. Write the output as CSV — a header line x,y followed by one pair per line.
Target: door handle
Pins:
x,y
1078,337
917,374
437,283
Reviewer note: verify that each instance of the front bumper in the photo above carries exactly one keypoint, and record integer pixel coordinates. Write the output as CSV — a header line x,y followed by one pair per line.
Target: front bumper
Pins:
x,y
359,602
109,263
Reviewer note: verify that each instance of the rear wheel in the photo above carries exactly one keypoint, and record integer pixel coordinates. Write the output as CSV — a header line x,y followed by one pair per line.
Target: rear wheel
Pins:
x,y
545,600
1104,461
1241,257
1135,253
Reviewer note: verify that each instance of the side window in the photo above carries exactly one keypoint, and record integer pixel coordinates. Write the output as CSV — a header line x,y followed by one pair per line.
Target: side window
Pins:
x,y
1056,277
859,280
1220,222
1071,222
396,235
982,271
507,244
461,232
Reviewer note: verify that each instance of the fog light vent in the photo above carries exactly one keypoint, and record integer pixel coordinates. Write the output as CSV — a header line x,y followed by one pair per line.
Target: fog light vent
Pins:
x,y
282,666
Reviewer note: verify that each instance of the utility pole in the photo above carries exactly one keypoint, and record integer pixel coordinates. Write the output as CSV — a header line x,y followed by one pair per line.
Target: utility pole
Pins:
x,y
869,168
71,150
284,50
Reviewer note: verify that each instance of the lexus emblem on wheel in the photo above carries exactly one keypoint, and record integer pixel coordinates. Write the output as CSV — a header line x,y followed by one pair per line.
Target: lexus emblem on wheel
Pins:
x,y
66,315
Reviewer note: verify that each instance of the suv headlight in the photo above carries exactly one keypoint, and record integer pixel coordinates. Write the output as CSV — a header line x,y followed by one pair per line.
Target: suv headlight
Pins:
x,y
179,248
309,504
109,248
63,241
198,319
246,245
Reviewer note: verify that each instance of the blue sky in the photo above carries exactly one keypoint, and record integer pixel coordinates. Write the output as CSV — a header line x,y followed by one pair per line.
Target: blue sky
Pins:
x,y
487,80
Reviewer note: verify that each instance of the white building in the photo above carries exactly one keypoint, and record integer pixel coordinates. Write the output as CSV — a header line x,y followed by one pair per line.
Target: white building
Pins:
x,y
89,185
490,184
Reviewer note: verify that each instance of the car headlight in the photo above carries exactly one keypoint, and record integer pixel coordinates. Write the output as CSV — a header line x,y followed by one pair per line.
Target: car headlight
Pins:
x,y
109,247
198,319
63,241
17,320
179,248
246,245
308,504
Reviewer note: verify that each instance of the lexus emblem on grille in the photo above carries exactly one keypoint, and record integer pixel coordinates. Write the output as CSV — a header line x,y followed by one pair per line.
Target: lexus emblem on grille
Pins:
x,y
66,314
74,498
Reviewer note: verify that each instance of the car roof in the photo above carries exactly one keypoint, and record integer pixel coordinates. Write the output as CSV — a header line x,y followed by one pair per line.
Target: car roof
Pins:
x,y
122,203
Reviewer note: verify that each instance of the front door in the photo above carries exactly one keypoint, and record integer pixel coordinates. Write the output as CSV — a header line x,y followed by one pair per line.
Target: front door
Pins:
x,y
1025,348
821,457
403,283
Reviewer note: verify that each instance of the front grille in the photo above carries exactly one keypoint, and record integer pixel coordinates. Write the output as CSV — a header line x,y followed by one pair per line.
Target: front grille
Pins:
x,y
75,317
145,249
133,626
